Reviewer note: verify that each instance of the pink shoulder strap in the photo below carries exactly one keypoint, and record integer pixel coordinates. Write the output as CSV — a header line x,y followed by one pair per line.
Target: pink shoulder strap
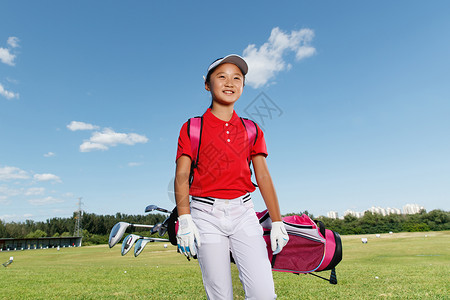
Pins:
x,y
194,130
252,133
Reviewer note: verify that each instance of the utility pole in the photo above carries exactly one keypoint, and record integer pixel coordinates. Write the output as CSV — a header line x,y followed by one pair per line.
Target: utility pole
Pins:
x,y
78,217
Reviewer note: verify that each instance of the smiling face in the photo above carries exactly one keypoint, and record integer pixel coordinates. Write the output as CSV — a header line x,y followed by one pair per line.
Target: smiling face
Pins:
x,y
226,84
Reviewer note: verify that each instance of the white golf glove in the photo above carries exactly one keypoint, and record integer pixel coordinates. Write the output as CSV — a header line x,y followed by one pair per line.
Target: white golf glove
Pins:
x,y
188,238
278,237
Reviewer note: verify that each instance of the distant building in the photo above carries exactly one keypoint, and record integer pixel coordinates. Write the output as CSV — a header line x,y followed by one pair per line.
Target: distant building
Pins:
x,y
407,209
332,214
410,209
378,210
11,244
353,213
349,212
393,211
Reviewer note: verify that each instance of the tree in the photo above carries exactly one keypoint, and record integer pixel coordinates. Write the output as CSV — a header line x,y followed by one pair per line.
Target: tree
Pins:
x,y
96,228
36,234
3,233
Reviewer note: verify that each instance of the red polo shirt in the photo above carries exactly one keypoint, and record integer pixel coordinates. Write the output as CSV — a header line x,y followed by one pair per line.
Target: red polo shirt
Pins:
x,y
222,170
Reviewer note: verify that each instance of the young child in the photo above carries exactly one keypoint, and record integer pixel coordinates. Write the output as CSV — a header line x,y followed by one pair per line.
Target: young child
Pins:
x,y
220,216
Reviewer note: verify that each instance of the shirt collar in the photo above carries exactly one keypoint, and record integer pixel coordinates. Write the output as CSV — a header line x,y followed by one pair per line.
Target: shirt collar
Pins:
x,y
214,121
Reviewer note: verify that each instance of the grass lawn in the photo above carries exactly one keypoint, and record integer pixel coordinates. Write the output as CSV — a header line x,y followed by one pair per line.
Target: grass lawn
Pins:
x,y
397,266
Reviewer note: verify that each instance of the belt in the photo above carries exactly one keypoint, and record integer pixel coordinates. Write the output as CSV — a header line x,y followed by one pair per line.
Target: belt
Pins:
x,y
211,200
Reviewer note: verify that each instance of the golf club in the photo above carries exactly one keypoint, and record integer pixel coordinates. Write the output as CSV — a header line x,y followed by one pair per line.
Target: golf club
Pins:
x,y
163,229
156,228
140,244
154,207
128,242
119,229
10,261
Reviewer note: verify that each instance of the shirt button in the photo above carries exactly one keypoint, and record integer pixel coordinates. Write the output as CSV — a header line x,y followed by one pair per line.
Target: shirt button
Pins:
x,y
228,140
226,124
228,132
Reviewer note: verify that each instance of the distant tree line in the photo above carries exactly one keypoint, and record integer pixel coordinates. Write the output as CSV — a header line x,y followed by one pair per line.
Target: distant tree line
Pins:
x,y
435,220
96,228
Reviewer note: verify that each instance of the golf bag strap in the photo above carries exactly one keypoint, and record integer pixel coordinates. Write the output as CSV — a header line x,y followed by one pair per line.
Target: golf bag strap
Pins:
x,y
195,132
274,257
171,226
252,134
321,227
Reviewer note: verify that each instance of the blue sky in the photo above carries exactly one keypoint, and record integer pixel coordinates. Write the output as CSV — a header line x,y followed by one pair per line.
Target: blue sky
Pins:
x,y
354,99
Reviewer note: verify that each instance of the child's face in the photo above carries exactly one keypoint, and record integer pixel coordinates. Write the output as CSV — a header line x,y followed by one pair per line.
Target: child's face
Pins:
x,y
226,84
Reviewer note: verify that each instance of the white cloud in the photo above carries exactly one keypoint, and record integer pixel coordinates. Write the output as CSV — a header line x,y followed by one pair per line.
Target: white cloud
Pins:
x,y
265,62
8,192
8,217
68,195
75,125
10,173
46,177
4,199
7,57
11,80
34,191
109,138
15,217
88,146
49,154
45,201
13,41
7,94
134,164
112,138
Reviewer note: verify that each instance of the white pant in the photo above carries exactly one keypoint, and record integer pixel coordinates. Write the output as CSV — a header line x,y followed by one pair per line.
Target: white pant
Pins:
x,y
232,225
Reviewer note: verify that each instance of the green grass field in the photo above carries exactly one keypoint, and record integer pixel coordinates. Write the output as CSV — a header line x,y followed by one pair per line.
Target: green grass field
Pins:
x,y
397,266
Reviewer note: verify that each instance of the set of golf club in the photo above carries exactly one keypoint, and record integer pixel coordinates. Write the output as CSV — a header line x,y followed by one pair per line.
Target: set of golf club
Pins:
x,y
10,261
141,241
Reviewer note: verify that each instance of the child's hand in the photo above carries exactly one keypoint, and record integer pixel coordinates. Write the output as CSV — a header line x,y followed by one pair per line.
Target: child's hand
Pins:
x,y
278,237
188,237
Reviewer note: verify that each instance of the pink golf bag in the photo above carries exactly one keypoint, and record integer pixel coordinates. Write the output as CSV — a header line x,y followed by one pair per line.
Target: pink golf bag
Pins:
x,y
311,247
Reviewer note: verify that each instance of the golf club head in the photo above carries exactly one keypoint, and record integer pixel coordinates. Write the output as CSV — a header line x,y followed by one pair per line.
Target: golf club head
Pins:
x,y
163,210
117,232
150,208
163,229
155,228
140,245
128,243
154,207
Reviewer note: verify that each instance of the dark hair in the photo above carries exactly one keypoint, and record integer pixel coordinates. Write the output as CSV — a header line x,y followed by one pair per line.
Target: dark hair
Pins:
x,y
208,76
